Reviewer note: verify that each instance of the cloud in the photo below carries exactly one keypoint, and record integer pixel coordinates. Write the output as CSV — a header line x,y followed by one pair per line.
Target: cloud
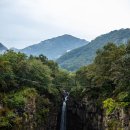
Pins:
x,y
25,22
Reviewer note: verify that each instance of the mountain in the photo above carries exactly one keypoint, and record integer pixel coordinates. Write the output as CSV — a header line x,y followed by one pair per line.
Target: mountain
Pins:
x,y
14,49
2,48
86,54
55,47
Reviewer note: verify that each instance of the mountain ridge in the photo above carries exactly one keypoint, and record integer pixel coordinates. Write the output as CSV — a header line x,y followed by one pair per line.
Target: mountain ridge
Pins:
x,y
84,55
54,47
2,48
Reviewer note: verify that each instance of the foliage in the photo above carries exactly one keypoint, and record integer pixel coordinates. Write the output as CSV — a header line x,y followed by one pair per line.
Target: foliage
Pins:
x,y
29,85
107,78
34,85
77,92
19,99
110,105
85,55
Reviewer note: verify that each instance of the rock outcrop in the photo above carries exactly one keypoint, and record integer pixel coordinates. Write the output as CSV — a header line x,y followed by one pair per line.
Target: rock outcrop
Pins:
x,y
84,115
118,120
88,115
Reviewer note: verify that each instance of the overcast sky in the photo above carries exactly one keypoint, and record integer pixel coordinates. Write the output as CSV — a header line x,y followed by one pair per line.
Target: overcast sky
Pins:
x,y
25,22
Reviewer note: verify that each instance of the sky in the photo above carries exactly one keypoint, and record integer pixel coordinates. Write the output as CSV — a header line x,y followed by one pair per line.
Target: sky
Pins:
x,y
27,22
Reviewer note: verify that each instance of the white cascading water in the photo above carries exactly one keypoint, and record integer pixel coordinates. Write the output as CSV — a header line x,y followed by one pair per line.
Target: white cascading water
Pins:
x,y
63,115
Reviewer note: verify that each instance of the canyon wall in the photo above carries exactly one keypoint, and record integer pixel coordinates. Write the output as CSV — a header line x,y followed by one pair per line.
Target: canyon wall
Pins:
x,y
88,115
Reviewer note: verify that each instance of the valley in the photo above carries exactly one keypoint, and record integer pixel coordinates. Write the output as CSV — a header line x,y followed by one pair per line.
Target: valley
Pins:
x,y
37,94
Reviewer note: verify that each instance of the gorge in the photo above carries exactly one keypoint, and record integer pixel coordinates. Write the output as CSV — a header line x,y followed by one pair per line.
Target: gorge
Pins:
x,y
32,93
65,65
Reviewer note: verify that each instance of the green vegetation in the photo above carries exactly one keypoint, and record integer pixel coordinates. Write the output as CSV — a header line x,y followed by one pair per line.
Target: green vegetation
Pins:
x,y
30,88
85,55
54,47
106,81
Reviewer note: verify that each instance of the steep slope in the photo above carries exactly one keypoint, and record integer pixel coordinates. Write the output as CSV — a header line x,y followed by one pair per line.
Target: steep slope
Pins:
x,y
2,48
55,47
85,55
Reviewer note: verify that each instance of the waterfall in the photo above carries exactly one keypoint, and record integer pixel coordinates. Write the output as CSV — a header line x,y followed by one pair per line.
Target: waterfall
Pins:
x,y
63,115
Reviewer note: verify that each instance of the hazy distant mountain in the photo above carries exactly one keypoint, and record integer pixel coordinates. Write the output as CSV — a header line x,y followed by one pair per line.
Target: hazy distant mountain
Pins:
x,y
15,49
2,48
85,55
55,47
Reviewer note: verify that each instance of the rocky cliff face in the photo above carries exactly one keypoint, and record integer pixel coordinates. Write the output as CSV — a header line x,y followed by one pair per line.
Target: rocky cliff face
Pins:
x,y
30,109
118,120
88,115
28,118
84,115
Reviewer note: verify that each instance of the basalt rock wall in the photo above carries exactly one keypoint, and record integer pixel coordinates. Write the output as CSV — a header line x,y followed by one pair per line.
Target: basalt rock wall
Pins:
x,y
84,115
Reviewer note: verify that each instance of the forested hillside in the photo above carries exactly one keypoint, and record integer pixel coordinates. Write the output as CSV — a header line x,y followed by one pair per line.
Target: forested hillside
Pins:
x,y
85,55
31,92
55,47
106,91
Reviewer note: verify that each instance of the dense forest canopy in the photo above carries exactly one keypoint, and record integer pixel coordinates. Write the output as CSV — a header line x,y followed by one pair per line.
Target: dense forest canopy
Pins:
x,y
31,87
29,79
107,83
